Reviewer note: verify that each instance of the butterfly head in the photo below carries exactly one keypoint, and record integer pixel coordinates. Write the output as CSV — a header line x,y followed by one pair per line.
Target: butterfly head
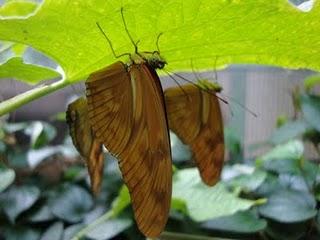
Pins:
x,y
207,85
154,60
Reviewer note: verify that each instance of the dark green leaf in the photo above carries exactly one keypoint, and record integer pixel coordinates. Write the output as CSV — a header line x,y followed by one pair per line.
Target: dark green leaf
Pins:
x,y
109,229
72,204
270,185
290,166
18,158
18,199
41,214
54,232
240,222
21,233
311,110
289,206
295,231
7,176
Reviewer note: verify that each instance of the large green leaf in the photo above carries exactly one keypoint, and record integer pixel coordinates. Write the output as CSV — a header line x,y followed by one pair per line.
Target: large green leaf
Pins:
x,y
248,31
17,8
237,31
203,202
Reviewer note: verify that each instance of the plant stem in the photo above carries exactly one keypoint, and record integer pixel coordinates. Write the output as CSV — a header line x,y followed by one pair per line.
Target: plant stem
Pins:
x,y
108,215
26,97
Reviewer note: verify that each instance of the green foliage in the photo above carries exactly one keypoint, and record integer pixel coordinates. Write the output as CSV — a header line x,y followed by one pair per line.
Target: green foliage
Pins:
x,y
244,222
194,26
289,206
7,177
26,72
311,109
18,199
203,202
109,229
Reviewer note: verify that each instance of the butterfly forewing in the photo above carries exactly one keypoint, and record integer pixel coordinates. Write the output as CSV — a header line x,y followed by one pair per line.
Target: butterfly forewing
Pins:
x,y
195,116
83,139
110,103
132,125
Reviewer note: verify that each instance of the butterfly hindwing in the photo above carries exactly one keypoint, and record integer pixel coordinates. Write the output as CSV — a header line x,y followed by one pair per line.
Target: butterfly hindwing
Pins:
x,y
85,142
110,104
195,116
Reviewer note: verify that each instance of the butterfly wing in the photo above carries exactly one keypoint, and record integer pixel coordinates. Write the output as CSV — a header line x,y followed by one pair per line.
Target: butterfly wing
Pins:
x,y
195,116
110,104
129,108
85,142
147,166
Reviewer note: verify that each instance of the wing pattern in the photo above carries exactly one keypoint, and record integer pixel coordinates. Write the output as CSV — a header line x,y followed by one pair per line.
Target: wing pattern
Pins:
x,y
195,116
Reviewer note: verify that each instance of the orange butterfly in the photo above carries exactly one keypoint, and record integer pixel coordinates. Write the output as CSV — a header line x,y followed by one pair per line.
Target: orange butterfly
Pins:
x,y
85,142
126,110
127,113
194,115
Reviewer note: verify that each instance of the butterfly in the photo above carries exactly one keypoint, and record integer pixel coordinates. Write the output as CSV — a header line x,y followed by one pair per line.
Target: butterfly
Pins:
x,y
85,141
194,115
126,110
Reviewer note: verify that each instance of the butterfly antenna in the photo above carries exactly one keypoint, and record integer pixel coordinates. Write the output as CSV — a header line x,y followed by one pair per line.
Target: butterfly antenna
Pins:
x,y
157,42
241,105
135,44
215,69
175,80
110,43
189,81
198,77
